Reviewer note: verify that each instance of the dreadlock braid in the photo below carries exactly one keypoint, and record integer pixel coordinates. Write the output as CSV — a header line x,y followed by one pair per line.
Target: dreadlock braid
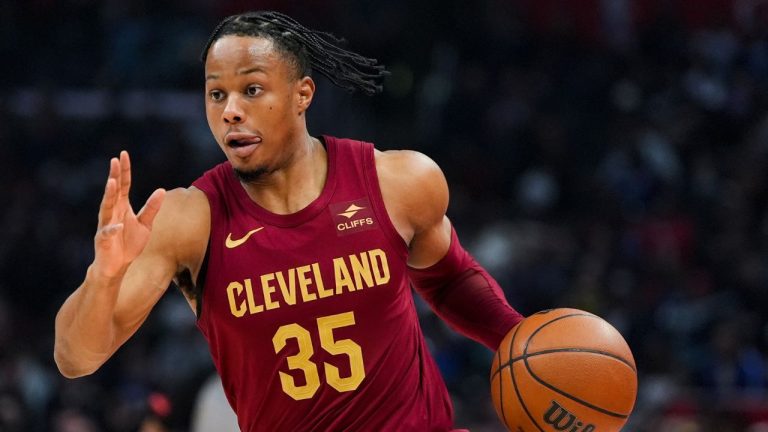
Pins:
x,y
308,49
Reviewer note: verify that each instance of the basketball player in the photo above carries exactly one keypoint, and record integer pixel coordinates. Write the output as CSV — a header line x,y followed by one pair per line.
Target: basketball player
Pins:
x,y
297,254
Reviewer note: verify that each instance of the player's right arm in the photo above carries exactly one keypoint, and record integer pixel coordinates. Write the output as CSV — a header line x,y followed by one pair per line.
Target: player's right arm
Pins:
x,y
136,257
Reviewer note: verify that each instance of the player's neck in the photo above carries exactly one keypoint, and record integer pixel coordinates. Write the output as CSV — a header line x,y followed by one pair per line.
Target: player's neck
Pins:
x,y
295,185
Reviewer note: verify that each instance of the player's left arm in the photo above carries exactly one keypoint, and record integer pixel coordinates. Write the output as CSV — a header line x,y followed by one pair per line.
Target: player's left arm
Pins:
x,y
457,288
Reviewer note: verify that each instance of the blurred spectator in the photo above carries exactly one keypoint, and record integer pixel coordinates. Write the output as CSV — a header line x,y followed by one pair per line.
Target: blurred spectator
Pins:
x,y
212,410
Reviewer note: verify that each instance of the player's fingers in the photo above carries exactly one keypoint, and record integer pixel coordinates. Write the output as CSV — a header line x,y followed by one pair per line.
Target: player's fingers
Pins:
x,y
125,174
108,201
106,210
105,236
147,214
110,230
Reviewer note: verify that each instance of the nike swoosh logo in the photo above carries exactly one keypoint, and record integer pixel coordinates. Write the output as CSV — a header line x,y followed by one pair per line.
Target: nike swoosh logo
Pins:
x,y
229,243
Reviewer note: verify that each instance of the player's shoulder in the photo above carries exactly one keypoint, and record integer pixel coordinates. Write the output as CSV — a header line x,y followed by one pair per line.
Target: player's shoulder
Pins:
x,y
186,203
183,222
413,187
408,166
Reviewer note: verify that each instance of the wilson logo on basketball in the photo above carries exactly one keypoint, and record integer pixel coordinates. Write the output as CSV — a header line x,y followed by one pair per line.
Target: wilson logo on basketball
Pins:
x,y
352,216
562,420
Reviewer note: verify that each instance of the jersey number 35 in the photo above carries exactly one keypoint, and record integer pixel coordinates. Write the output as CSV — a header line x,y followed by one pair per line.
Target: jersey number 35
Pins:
x,y
301,361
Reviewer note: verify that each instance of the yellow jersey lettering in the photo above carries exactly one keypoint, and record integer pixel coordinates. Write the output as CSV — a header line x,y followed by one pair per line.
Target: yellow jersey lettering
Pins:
x,y
355,223
380,266
253,308
343,280
267,290
237,310
321,291
288,290
361,269
304,283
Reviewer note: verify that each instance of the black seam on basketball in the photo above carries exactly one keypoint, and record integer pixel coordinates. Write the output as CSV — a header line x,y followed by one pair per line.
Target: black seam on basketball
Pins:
x,y
502,366
514,383
501,383
571,397
525,350
551,387
501,379
501,390
584,350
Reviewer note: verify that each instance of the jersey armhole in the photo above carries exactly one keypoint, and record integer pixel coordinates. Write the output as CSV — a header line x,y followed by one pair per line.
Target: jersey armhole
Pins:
x,y
199,286
377,202
199,282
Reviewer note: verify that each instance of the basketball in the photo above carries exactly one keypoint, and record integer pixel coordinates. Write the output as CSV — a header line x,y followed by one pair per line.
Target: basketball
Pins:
x,y
563,370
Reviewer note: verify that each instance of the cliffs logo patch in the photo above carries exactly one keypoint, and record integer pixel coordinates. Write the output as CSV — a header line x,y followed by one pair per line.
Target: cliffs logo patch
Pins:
x,y
352,216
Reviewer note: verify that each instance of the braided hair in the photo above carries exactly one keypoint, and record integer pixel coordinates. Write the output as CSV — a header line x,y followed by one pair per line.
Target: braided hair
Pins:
x,y
306,49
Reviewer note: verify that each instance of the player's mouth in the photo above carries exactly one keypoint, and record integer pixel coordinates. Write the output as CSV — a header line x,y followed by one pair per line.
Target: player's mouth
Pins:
x,y
242,143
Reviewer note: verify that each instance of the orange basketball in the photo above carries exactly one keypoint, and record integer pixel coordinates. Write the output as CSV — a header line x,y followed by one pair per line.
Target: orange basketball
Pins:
x,y
563,370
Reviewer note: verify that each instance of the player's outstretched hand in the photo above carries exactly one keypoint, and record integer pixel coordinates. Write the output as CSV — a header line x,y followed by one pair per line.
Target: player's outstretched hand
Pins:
x,y
122,234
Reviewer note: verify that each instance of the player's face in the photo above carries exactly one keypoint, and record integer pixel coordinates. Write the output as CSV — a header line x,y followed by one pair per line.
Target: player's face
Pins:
x,y
254,103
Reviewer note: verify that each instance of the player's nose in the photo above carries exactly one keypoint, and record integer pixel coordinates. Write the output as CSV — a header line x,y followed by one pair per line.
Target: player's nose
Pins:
x,y
233,111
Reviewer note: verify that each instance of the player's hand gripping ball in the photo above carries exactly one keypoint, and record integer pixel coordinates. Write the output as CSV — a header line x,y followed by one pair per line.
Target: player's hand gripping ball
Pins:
x,y
563,370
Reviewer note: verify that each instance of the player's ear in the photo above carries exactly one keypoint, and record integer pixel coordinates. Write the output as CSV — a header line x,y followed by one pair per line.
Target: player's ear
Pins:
x,y
306,90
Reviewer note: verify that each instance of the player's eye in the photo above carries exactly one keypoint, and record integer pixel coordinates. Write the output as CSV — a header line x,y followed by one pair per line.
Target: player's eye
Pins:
x,y
216,95
253,90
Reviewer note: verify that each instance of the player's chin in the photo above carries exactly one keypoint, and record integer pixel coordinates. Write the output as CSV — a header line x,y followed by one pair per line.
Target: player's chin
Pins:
x,y
242,160
250,174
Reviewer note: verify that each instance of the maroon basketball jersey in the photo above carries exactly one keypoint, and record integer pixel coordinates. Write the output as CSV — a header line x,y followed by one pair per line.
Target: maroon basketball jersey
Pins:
x,y
309,316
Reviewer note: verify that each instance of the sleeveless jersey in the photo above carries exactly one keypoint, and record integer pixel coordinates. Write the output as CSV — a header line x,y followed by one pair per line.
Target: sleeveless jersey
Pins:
x,y
309,316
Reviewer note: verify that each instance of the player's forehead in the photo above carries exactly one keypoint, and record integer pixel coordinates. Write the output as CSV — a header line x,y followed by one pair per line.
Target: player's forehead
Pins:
x,y
232,52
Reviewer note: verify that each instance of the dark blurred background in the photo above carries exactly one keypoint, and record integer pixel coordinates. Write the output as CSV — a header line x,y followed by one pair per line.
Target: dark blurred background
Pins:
x,y
608,155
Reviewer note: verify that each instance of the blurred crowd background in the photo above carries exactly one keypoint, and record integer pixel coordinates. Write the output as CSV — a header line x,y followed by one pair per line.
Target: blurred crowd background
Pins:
x,y
608,155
